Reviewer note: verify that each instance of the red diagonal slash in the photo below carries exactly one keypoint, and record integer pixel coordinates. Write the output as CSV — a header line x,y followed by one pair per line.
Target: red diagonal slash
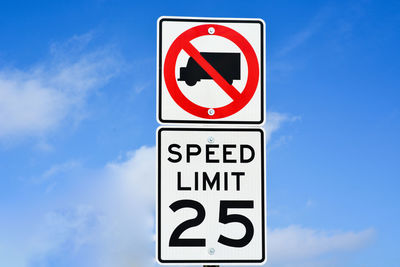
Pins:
x,y
195,54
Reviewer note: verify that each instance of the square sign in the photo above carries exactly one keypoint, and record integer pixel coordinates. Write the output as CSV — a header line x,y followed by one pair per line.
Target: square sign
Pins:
x,y
211,70
211,196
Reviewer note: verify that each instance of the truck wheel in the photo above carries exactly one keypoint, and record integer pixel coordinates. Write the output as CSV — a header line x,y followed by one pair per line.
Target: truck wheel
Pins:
x,y
191,82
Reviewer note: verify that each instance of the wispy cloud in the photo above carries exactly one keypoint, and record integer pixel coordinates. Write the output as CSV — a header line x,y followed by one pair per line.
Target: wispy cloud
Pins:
x,y
304,34
57,169
274,121
329,22
35,101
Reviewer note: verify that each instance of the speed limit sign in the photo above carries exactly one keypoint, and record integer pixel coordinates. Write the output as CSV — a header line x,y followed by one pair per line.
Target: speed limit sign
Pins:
x,y
211,196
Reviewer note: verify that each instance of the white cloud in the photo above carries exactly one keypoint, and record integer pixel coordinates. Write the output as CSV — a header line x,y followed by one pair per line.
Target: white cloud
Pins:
x,y
35,101
71,227
274,121
128,221
135,177
109,221
108,218
295,244
115,223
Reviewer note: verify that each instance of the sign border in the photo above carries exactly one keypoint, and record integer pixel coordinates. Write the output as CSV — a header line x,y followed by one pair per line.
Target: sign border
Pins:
x,y
160,70
158,196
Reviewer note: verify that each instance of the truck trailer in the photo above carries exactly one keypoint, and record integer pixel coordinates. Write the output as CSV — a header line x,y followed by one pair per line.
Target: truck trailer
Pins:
x,y
227,65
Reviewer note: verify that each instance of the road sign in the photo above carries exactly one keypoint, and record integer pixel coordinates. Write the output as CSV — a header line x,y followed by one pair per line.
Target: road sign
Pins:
x,y
211,196
210,70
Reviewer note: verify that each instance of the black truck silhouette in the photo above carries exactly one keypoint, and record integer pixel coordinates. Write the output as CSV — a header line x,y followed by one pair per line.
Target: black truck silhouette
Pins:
x,y
227,65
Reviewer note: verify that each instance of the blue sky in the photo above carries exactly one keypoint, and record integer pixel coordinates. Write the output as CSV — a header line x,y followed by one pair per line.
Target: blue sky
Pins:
x,y
78,121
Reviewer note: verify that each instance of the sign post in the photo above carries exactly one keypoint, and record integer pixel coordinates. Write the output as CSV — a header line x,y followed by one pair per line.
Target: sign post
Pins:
x,y
211,201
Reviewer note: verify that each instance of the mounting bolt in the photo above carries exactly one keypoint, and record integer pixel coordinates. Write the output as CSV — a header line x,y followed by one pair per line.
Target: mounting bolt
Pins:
x,y
211,112
211,30
211,251
211,139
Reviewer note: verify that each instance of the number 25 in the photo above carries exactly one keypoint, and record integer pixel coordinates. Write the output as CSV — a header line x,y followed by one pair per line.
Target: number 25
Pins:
x,y
224,217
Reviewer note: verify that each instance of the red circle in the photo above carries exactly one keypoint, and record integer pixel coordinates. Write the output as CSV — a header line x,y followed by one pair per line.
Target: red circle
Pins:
x,y
182,100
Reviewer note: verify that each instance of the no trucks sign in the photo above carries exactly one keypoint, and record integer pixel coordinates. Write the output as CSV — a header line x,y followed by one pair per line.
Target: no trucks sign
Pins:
x,y
210,71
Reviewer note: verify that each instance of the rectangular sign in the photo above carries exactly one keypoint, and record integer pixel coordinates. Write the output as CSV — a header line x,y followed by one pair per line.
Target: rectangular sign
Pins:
x,y
211,70
211,196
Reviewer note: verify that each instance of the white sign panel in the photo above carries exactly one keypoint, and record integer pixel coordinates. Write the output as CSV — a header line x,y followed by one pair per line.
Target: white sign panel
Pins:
x,y
211,196
211,70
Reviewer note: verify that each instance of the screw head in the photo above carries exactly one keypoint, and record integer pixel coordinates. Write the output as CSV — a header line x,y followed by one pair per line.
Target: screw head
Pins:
x,y
211,139
211,251
211,112
211,30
